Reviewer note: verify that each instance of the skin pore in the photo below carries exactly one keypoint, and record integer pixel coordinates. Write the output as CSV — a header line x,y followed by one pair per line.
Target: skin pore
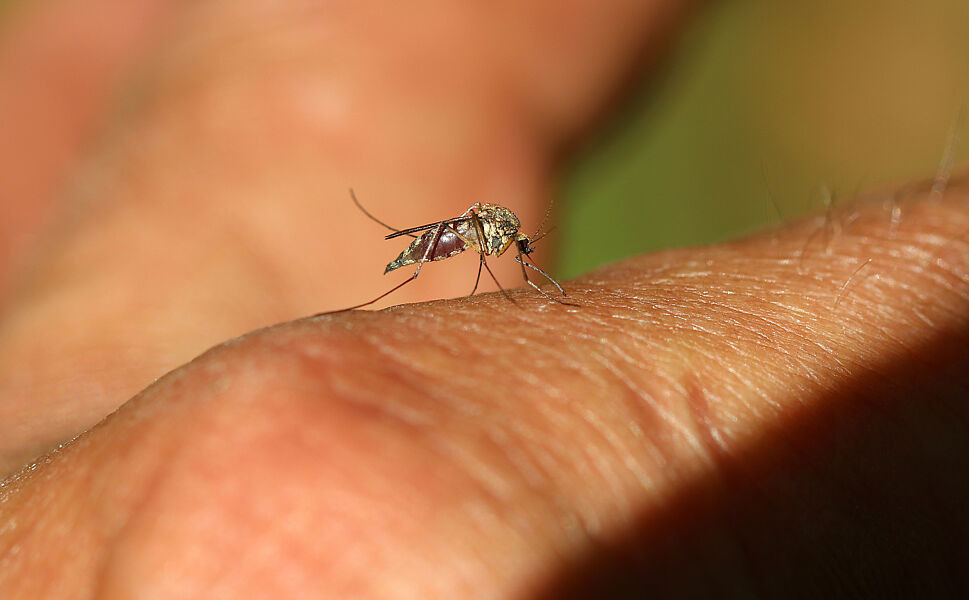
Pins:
x,y
785,411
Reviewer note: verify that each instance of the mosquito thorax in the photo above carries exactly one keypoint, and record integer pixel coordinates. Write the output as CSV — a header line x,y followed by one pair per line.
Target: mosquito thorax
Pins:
x,y
501,227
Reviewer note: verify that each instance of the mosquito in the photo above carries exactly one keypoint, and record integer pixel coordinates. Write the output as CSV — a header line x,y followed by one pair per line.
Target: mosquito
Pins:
x,y
487,229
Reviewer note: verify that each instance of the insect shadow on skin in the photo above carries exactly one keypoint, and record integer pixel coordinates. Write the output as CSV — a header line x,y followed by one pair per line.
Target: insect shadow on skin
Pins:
x,y
487,229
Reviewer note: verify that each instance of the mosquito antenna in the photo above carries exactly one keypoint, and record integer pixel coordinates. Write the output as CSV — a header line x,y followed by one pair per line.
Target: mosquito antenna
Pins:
x,y
548,212
373,218
532,241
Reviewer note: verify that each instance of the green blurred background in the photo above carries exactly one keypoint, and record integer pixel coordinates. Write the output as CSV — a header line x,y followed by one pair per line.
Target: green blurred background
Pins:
x,y
766,98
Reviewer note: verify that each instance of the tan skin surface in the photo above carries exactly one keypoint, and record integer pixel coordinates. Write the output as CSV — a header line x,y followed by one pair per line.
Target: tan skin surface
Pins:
x,y
783,413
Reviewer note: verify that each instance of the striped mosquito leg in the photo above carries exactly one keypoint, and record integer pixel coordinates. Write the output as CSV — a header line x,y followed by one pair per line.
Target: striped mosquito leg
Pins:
x,y
538,289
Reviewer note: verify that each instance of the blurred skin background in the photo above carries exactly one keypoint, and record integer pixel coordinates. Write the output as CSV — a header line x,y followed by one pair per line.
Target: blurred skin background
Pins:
x,y
762,111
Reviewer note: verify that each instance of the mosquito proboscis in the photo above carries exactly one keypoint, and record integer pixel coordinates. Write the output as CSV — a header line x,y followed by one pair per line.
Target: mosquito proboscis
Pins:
x,y
488,229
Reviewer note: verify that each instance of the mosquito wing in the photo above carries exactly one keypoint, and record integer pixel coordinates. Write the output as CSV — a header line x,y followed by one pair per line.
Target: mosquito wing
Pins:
x,y
451,237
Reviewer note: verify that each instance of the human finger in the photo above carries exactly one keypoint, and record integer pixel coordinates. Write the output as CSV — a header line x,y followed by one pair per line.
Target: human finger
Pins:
x,y
781,413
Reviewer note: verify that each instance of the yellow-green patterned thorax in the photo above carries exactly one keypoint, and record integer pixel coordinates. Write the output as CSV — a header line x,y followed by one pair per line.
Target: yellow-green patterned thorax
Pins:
x,y
500,228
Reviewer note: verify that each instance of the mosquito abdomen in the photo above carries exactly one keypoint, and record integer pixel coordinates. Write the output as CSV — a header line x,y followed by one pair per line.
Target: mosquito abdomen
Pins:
x,y
448,244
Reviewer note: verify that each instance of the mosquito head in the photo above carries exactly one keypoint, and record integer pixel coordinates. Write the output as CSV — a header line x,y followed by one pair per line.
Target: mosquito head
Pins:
x,y
526,245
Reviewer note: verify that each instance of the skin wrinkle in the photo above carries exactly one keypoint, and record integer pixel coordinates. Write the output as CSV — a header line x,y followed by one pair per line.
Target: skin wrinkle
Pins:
x,y
751,365
956,239
412,374
768,341
584,469
525,465
941,282
597,427
558,420
707,432
603,446
413,417
747,382
523,528
550,456
551,466
553,454
641,398
756,412
953,272
926,320
666,416
946,253
657,375
409,377
913,297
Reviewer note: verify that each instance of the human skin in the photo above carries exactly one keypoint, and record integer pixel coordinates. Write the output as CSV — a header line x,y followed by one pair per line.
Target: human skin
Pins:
x,y
783,414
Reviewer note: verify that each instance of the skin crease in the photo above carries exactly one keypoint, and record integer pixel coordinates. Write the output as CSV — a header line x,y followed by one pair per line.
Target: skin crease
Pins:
x,y
780,415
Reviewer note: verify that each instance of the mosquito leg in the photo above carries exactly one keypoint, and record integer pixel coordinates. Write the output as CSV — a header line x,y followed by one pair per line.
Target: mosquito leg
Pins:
x,y
480,234
544,274
478,278
503,291
427,253
380,297
538,289
483,251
